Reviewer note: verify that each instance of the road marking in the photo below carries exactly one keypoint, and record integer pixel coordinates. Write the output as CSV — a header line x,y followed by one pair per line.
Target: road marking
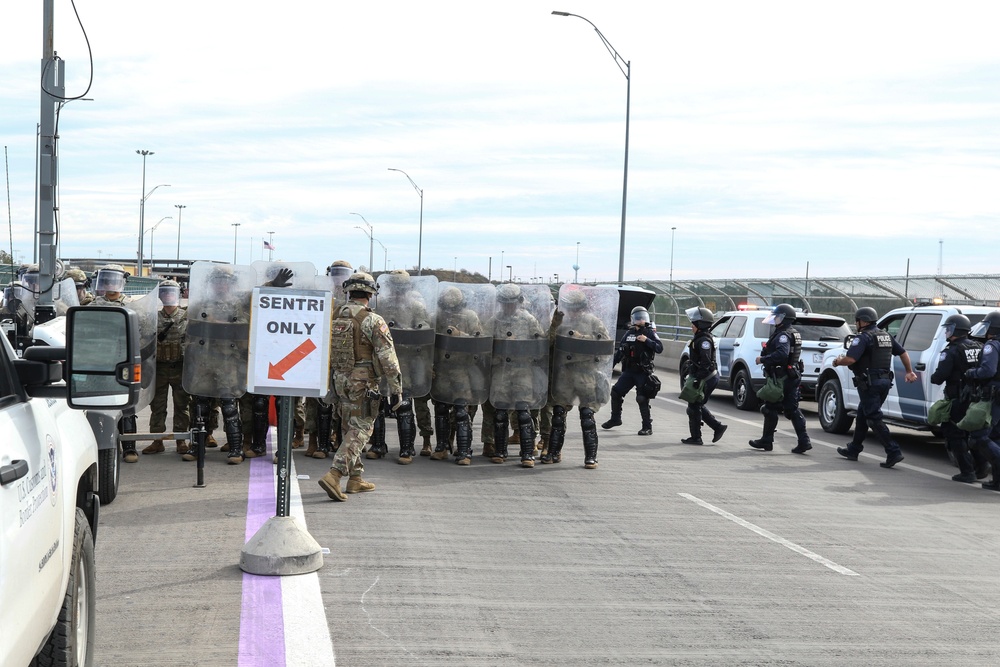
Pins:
x,y
771,536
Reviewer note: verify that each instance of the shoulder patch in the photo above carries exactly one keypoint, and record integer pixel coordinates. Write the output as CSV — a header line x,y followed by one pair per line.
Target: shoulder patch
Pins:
x,y
944,355
855,341
705,345
988,349
783,338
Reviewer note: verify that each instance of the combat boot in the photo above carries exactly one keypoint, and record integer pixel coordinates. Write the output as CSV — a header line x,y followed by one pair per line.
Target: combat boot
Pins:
x,y
488,450
297,438
155,447
210,441
357,485
693,440
718,431
235,456
311,449
330,482
129,455
762,444
182,447
249,452
426,450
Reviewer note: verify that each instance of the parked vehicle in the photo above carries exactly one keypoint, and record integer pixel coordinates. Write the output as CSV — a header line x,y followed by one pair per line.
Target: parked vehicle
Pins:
x,y
918,329
739,337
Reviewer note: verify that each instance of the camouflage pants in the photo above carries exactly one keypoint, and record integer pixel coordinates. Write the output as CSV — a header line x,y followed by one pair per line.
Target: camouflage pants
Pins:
x,y
168,377
357,418
489,415
424,421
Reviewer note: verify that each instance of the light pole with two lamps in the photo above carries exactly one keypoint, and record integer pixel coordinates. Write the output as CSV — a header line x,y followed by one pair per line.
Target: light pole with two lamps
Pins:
x,y
626,68
142,206
371,240
151,230
420,237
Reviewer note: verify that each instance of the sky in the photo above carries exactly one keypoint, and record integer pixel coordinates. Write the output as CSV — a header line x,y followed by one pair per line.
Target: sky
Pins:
x,y
766,139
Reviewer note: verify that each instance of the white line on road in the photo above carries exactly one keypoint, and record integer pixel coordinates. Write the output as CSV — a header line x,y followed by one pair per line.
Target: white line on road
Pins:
x,y
771,536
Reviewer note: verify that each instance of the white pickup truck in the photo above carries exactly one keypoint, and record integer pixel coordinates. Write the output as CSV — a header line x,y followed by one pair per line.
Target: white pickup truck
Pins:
x,y
49,483
918,330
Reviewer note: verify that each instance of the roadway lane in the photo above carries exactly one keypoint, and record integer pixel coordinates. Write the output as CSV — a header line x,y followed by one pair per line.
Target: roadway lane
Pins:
x,y
668,554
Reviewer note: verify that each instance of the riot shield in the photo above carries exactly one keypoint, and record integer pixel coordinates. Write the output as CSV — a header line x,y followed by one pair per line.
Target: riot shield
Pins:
x,y
146,309
218,334
520,328
64,296
303,273
584,349
334,283
408,304
463,345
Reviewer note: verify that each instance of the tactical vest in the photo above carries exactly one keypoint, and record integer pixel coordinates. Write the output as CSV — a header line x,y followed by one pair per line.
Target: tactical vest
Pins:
x,y
700,366
794,347
878,352
995,344
966,357
348,347
637,355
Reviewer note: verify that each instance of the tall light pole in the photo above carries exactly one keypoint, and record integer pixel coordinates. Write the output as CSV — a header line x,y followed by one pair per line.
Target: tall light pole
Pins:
x,y
420,237
385,258
142,208
151,230
270,246
180,209
501,266
236,229
371,240
510,273
576,267
672,230
626,68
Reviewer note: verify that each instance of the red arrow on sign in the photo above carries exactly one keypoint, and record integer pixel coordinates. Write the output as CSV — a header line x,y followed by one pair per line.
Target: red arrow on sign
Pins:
x,y
277,371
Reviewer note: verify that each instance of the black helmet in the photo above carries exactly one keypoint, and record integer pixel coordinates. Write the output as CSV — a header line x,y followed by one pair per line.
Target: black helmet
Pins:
x,y
989,325
782,314
957,325
640,315
702,318
865,314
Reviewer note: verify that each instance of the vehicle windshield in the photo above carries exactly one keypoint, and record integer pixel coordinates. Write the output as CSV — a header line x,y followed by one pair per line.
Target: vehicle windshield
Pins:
x,y
813,329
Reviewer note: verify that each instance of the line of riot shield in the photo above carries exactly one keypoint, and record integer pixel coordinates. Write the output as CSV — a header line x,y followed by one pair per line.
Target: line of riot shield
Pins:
x,y
64,296
520,377
303,273
146,309
218,334
463,346
408,304
584,349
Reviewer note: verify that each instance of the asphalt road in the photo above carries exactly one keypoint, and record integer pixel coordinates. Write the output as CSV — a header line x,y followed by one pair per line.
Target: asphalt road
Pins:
x,y
667,554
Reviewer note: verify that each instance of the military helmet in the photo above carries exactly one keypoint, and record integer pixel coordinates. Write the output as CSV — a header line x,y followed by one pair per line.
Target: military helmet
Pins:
x,y
111,278
574,300
866,314
989,325
361,282
399,276
640,314
451,298
781,314
957,325
340,264
700,317
169,293
80,278
509,293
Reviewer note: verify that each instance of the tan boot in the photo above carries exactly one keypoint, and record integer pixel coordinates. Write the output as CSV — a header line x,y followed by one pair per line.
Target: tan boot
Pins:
x,y
155,447
225,447
249,453
210,442
330,482
311,449
427,449
440,456
297,438
543,446
515,438
357,485
182,447
488,450
191,454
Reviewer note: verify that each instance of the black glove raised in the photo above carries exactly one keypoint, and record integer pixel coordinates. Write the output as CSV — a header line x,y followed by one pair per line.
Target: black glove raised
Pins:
x,y
283,279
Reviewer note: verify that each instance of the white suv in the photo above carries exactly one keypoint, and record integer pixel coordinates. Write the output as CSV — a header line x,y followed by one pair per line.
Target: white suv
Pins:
x,y
49,503
739,335
918,330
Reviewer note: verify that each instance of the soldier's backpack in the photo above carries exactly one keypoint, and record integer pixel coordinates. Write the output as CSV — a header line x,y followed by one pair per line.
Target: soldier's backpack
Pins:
x,y
345,339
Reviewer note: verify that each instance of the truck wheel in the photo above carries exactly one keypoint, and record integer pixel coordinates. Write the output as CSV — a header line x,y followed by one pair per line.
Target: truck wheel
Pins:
x,y
72,640
109,474
744,397
833,416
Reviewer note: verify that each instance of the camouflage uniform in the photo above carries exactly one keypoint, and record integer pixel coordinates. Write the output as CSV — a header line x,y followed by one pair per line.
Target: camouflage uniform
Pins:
x,y
171,330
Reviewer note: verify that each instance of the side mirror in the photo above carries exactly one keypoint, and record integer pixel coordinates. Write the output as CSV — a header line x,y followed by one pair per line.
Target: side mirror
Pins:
x,y
848,339
103,363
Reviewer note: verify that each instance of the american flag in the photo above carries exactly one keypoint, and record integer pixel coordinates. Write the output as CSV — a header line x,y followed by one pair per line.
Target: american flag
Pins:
x,y
268,246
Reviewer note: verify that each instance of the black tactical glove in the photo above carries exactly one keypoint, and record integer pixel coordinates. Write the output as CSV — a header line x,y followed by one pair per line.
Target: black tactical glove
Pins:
x,y
283,279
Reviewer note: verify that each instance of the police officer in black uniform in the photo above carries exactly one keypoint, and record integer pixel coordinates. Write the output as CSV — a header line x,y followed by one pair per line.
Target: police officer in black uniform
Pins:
x,y
635,351
780,359
870,358
701,365
986,378
961,355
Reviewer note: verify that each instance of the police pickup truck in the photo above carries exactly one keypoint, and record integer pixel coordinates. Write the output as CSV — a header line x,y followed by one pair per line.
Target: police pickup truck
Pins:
x,y
49,482
918,329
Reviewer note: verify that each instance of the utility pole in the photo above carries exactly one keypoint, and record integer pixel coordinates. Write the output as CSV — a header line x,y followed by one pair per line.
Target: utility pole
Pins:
x,y
53,90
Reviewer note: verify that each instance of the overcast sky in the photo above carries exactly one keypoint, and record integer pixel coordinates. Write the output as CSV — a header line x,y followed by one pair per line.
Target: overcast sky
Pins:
x,y
853,136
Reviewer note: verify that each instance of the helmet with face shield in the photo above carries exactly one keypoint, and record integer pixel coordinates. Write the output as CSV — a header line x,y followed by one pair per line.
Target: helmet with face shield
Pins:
x,y
782,314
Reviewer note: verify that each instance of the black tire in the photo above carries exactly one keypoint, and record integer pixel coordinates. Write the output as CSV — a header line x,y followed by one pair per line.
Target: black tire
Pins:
x,y
109,469
72,640
744,397
833,416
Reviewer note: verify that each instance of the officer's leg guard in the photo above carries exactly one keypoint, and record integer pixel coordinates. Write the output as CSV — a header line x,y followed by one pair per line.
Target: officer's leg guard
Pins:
x,y
694,424
324,413
799,424
442,428
616,410
557,436
647,419
589,426
463,436
406,428
377,448
234,431
766,441
127,424
526,428
499,436
260,425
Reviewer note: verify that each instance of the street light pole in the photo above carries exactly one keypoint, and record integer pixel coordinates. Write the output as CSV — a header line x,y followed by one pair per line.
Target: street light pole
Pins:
x,y
371,241
180,209
142,209
270,246
510,273
151,230
576,267
420,237
236,229
672,230
385,258
627,71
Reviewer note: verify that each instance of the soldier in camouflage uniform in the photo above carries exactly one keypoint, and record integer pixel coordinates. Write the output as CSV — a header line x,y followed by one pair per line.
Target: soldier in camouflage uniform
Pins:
x,y
362,352
82,282
170,332
110,286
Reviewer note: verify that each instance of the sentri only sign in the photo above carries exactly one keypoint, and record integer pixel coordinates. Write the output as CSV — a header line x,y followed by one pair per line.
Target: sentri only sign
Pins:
x,y
289,342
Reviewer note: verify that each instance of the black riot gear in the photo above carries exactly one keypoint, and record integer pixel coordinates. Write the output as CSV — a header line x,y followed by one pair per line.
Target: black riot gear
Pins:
x,y
865,314
782,314
701,318
957,325
988,326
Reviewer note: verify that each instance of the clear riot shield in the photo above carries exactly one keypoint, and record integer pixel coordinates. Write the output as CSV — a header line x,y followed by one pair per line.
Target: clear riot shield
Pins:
x,y
303,273
146,309
64,296
584,348
218,333
334,282
408,304
520,328
463,345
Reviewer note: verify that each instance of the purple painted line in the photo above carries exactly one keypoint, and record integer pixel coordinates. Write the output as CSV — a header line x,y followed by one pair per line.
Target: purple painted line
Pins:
x,y
262,626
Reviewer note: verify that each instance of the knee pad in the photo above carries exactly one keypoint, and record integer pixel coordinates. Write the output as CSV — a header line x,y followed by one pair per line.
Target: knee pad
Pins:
x,y
587,419
559,417
793,413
